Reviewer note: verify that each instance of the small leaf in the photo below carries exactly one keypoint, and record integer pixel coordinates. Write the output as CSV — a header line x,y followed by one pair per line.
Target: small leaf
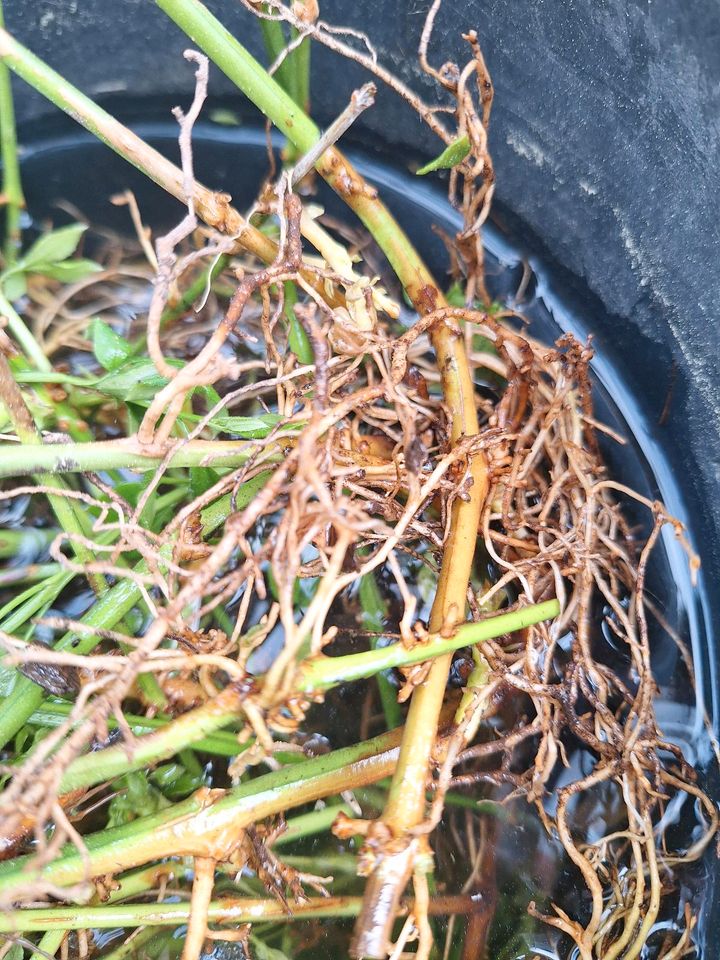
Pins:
x,y
304,589
299,342
135,380
110,349
135,413
453,154
201,479
262,951
455,295
131,491
226,118
15,952
138,799
53,247
14,285
248,428
210,395
69,271
175,781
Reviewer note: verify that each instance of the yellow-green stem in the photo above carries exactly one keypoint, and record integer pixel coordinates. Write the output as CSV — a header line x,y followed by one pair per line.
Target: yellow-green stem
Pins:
x,y
229,910
207,823
11,186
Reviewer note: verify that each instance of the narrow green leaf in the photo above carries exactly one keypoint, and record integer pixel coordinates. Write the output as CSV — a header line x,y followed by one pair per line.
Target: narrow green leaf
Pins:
x,y
298,340
201,479
68,271
175,781
52,247
453,154
224,117
249,428
135,380
110,349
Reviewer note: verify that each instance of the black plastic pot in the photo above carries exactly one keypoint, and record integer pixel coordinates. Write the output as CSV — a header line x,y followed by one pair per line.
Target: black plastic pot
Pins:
x,y
606,141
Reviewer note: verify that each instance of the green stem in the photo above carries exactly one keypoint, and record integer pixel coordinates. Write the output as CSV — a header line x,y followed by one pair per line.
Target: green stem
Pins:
x,y
243,69
310,824
301,65
70,514
11,185
314,675
374,613
293,74
53,714
13,542
49,944
19,609
30,573
185,731
226,910
128,886
124,454
324,672
30,347
275,42
146,945
200,825
211,207
234,910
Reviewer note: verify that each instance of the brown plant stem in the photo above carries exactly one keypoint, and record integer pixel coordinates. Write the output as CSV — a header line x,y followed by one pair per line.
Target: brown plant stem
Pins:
x,y
203,884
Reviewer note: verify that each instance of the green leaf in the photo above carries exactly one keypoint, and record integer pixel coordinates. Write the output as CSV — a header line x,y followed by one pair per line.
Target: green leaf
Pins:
x,y
201,479
69,271
426,583
248,428
135,380
175,781
14,284
48,256
304,590
262,951
455,295
8,679
210,394
15,952
374,607
52,247
298,340
138,799
135,413
110,349
226,118
453,154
